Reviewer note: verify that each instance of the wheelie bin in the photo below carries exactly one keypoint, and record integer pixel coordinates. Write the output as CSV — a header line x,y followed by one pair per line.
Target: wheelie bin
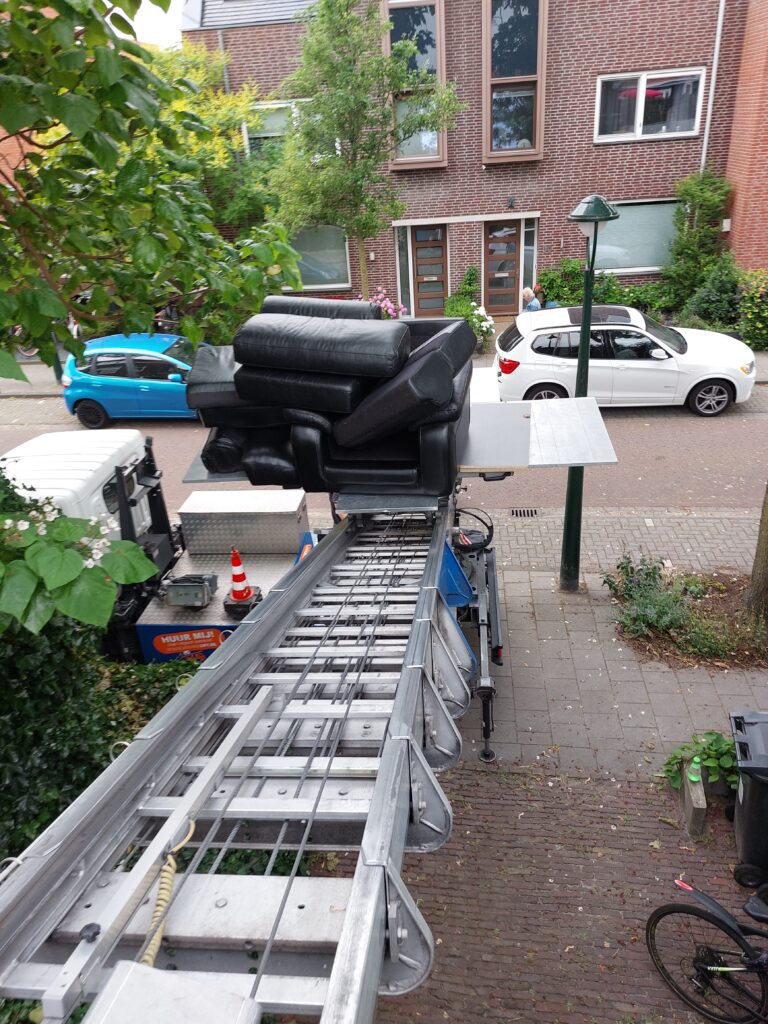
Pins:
x,y
750,823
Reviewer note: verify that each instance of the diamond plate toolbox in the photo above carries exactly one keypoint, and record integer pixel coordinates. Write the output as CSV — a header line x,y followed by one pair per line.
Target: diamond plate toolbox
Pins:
x,y
252,521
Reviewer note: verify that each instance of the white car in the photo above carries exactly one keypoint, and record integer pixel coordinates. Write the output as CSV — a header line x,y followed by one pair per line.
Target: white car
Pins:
x,y
632,361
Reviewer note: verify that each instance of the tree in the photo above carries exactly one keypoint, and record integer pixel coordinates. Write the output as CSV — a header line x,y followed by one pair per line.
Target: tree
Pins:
x,y
99,194
757,595
333,169
234,181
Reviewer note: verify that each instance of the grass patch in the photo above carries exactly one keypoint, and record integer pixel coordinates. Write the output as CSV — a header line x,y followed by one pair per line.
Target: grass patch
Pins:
x,y
687,617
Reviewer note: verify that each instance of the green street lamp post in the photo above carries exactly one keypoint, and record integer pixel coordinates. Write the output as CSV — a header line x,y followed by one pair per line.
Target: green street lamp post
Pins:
x,y
589,216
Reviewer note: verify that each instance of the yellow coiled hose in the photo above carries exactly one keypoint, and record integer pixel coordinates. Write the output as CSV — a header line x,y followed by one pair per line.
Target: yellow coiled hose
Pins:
x,y
163,900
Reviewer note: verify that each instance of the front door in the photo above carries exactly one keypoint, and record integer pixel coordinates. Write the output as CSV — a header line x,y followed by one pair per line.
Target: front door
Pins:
x,y
430,270
502,266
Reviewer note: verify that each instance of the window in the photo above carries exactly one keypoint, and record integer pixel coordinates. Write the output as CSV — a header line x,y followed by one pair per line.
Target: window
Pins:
x,y
631,344
565,345
514,36
650,105
639,239
423,23
324,259
150,368
109,364
109,494
274,122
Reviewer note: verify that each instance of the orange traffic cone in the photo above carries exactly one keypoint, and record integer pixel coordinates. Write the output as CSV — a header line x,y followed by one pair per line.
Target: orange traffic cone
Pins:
x,y
241,597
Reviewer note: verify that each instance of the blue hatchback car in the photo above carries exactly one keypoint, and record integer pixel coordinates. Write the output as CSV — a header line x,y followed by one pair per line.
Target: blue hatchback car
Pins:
x,y
129,376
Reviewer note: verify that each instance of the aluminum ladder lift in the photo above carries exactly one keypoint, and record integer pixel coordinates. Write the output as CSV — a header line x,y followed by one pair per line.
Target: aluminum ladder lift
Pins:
x,y
313,735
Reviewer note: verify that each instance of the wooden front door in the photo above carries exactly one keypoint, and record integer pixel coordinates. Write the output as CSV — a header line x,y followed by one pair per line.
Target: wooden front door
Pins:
x,y
430,270
503,242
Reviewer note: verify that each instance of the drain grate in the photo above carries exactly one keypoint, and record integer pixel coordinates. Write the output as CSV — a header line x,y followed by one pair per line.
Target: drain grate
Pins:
x,y
523,513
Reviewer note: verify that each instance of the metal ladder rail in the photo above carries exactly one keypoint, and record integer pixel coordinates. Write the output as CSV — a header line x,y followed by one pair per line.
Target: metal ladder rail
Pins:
x,y
375,574
51,875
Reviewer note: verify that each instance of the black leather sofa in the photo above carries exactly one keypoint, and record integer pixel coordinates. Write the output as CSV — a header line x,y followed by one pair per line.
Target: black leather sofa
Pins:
x,y
326,396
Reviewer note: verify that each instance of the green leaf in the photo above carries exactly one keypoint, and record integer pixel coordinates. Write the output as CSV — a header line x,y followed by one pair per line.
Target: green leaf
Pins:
x,y
148,254
90,598
144,105
103,148
122,25
17,111
109,65
38,613
9,367
132,175
66,529
79,113
125,562
19,584
48,303
55,564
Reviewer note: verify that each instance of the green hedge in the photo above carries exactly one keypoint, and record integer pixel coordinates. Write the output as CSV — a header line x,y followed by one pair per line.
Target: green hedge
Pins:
x,y
753,309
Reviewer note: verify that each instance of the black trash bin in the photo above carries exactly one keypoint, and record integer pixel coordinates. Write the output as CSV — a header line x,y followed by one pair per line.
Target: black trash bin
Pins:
x,y
750,823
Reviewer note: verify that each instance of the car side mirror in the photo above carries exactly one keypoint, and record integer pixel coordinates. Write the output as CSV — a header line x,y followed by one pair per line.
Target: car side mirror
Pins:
x,y
658,353
176,378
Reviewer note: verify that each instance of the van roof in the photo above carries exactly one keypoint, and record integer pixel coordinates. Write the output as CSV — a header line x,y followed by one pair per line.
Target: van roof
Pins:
x,y
64,464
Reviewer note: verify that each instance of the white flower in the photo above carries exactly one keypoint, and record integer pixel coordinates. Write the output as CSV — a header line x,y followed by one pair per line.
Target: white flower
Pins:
x,y
7,524
50,516
112,523
96,554
102,542
22,525
104,529
42,529
94,520
89,563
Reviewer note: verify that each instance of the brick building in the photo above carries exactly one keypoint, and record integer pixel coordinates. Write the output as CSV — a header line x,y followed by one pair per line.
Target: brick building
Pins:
x,y
563,98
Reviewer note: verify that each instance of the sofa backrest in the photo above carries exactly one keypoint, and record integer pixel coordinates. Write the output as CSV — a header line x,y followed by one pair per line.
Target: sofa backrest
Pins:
x,y
456,341
333,309
359,348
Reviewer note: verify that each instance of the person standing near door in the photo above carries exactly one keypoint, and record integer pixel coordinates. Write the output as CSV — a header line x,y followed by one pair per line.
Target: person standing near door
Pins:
x,y
531,303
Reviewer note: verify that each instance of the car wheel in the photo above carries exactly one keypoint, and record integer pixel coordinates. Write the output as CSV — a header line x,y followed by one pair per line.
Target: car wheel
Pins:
x,y
545,391
91,414
710,398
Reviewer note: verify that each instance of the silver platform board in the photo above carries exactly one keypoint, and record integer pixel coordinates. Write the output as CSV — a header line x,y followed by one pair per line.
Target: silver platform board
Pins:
x,y
509,436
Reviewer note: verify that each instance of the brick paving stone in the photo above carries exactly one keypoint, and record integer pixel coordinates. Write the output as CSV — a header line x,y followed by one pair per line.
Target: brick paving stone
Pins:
x,y
539,899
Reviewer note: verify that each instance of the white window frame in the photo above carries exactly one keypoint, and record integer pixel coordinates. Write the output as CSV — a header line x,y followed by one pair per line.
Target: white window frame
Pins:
x,y
292,105
642,79
626,271
327,287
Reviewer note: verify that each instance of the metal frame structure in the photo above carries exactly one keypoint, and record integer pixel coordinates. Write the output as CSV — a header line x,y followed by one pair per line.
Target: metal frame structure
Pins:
x,y
316,729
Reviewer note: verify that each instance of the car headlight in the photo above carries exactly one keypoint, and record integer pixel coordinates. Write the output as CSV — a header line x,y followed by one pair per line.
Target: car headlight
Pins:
x,y
65,380
748,368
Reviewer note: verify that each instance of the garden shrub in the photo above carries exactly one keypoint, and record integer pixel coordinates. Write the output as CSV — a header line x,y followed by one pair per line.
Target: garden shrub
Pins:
x,y
652,297
564,284
698,232
716,301
753,309
470,285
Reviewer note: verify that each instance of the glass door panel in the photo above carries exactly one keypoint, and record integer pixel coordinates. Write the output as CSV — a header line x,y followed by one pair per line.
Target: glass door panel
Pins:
x,y
502,266
430,270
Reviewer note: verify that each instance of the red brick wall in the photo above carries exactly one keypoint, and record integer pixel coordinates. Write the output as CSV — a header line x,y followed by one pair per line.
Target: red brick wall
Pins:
x,y
586,38
748,160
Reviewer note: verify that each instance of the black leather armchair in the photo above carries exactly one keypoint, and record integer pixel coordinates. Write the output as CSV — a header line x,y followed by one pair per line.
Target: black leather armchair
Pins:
x,y
350,407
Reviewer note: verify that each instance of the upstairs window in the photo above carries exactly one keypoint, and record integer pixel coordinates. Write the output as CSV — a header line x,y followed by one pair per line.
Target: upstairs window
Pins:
x,y
274,123
649,105
423,24
514,48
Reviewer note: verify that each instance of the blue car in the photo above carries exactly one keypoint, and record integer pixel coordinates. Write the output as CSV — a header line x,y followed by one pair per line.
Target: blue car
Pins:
x,y
128,377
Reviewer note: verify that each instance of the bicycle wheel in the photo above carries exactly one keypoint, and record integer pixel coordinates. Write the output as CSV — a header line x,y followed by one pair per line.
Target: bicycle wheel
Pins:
x,y
703,962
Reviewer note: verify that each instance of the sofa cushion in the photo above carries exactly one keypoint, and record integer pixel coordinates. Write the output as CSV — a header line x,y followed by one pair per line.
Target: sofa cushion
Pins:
x,y
321,392
223,450
359,348
452,411
334,309
421,388
456,342
268,458
242,415
210,381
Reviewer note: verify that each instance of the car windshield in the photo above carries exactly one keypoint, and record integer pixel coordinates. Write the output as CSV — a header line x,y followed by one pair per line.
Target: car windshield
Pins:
x,y
508,338
183,350
668,335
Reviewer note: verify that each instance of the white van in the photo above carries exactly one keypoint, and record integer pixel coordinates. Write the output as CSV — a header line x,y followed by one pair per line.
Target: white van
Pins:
x,y
76,470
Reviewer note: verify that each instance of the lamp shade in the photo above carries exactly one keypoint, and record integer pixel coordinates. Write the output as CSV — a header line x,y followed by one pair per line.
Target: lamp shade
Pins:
x,y
591,212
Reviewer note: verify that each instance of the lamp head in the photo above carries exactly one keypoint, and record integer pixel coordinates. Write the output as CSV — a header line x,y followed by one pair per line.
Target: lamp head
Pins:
x,y
591,213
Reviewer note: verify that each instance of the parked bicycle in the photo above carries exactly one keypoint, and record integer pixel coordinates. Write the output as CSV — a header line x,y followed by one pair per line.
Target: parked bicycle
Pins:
x,y
703,953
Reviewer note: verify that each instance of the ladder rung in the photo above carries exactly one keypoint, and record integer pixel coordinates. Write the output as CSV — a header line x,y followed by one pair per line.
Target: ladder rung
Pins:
x,y
363,611
354,632
345,652
333,809
324,709
295,767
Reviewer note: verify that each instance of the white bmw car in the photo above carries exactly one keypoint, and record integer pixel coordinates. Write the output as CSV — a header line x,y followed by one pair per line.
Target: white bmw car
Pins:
x,y
632,361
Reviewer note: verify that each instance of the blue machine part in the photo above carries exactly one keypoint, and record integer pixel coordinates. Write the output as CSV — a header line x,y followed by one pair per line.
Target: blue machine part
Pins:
x,y
308,541
453,584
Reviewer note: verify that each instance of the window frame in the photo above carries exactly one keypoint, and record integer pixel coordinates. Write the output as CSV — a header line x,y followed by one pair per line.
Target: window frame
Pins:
x,y
536,152
325,287
269,105
153,357
411,163
642,79
624,271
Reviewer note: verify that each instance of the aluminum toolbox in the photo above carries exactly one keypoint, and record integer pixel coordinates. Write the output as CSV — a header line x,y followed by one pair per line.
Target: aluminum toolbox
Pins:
x,y
253,521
